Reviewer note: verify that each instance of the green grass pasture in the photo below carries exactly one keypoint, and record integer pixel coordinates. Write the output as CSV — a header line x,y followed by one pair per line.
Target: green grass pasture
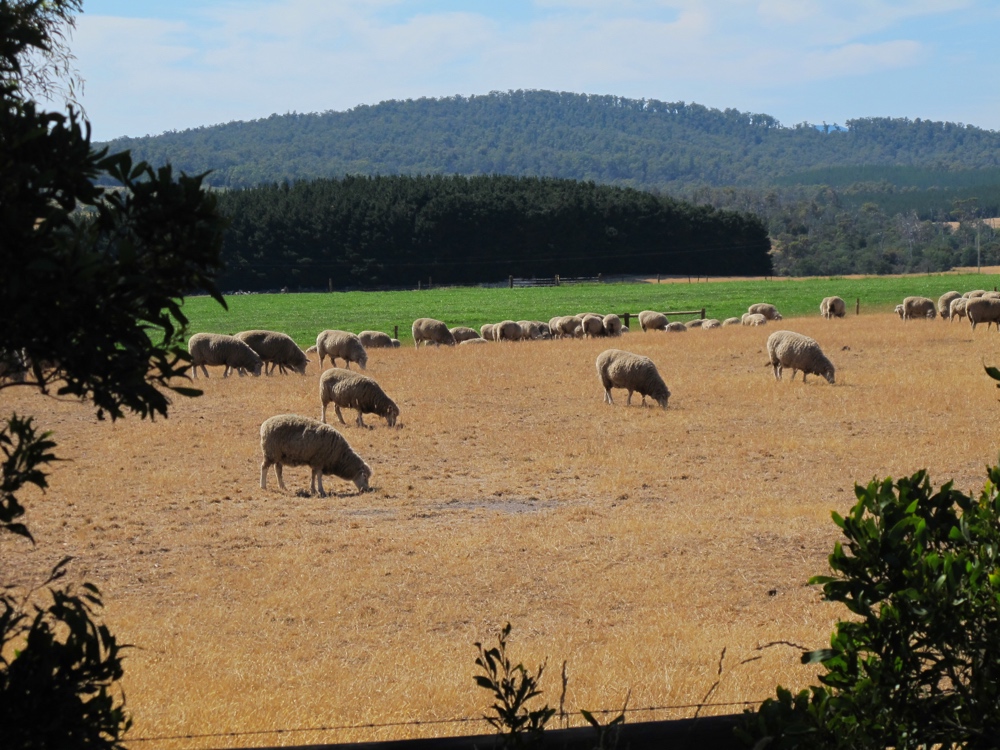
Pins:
x,y
302,316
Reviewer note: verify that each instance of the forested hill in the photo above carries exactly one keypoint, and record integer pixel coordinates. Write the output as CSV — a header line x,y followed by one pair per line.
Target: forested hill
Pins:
x,y
608,139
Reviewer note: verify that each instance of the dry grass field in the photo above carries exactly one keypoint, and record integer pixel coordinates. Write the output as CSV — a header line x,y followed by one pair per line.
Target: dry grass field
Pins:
x,y
632,543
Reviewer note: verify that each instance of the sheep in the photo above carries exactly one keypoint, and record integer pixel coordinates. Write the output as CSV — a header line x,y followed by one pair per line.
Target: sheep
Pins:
x,y
376,340
486,331
770,312
957,308
696,323
220,349
570,325
507,330
396,343
477,340
341,345
983,310
710,323
612,325
975,293
593,326
991,295
944,304
675,327
463,333
650,320
291,440
531,329
432,331
350,390
276,350
554,327
634,373
832,307
790,349
732,322
918,307
753,319
899,311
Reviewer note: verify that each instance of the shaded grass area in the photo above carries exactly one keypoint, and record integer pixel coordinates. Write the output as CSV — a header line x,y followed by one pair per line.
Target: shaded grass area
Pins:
x,y
302,316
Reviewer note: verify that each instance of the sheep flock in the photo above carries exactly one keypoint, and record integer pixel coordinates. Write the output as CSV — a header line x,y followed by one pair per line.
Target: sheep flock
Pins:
x,y
293,440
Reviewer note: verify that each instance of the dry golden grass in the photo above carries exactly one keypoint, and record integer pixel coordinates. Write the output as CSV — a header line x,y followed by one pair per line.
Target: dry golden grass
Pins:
x,y
633,543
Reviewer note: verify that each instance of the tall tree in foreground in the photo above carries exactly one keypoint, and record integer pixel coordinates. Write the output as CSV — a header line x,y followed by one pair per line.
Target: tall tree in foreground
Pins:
x,y
92,286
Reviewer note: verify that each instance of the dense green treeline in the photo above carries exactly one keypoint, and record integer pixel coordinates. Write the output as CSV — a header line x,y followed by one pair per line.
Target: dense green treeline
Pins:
x,y
361,232
641,143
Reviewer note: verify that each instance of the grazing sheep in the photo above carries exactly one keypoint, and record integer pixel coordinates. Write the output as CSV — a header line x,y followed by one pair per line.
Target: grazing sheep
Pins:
x,y
593,326
918,307
432,331
711,323
983,310
957,308
696,323
341,345
507,330
974,294
754,319
291,440
770,312
486,331
732,322
350,390
634,373
219,349
276,350
554,327
944,304
376,340
899,311
650,320
531,329
570,325
477,340
396,343
832,307
612,325
462,333
790,349
991,295
675,327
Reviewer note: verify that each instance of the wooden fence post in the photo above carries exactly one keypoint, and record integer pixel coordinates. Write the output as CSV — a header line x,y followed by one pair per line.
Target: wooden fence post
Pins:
x,y
857,306
703,313
557,279
657,278
395,332
418,285
627,316
329,284
510,282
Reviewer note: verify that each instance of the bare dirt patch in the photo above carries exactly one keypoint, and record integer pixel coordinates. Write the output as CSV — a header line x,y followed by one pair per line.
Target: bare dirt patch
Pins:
x,y
633,543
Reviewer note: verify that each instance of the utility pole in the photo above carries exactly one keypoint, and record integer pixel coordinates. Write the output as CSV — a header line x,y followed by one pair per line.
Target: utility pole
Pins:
x,y
978,256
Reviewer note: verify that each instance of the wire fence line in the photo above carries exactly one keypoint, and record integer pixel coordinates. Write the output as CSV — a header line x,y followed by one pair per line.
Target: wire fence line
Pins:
x,y
698,707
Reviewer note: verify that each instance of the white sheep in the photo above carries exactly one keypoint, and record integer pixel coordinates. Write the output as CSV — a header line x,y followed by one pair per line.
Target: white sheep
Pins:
x,y
944,304
710,323
767,310
753,319
486,331
676,327
918,307
696,323
432,331
464,333
219,349
477,340
571,326
975,293
532,330
957,308
507,330
983,310
351,390
832,307
790,349
634,373
612,325
376,340
277,351
899,311
650,320
593,325
341,345
291,440
732,322
991,295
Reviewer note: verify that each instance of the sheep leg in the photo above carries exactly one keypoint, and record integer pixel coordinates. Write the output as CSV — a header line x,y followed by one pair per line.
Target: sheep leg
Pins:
x,y
264,466
336,408
322,414
607,396
776,366
628,401
277,472
317,482
360,422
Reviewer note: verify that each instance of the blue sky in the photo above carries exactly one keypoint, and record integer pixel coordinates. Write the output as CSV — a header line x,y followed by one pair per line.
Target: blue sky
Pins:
x,y
157,65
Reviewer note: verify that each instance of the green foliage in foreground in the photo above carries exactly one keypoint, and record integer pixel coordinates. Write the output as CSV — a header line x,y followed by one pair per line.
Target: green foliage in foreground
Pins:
x,y
302,316
917,665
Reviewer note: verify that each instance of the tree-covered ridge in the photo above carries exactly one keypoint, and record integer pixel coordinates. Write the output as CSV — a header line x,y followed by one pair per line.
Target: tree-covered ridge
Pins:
x,y
361,232
633,142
